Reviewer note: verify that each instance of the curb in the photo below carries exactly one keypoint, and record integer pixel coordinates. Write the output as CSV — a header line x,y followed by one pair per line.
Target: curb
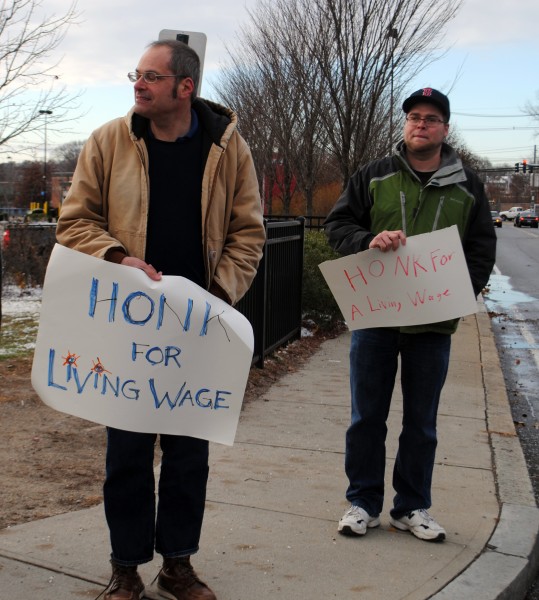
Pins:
x,y
508,565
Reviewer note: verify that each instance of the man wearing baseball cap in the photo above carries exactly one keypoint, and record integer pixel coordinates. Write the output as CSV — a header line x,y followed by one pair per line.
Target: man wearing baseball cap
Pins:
x,y
428,96
423,187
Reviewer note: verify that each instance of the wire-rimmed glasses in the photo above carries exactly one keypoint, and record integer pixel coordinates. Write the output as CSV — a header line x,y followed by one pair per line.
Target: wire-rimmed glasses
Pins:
x,y
430,121
149,76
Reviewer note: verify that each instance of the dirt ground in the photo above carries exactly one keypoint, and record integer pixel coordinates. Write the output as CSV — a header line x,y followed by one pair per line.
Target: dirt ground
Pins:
x,y
53,463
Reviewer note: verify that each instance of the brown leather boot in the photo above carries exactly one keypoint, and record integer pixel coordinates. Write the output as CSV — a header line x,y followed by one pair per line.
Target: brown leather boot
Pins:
x,y
125,584
178,580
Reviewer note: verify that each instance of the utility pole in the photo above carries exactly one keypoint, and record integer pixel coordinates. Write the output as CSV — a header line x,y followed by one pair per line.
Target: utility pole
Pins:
x,y
393,35
44,189
533,181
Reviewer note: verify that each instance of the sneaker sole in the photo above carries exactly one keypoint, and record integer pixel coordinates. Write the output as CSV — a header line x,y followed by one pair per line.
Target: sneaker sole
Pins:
x,y
349,531
440,537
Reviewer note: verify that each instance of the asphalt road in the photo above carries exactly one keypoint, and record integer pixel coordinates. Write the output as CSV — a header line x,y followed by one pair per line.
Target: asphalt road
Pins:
x,y
513,301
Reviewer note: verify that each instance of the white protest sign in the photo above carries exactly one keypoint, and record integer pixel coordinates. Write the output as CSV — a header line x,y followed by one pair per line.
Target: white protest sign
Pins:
x,y
425,281
117,348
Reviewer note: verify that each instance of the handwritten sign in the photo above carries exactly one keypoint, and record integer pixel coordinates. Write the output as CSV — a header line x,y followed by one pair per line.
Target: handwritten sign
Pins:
x,y
425,281
117,348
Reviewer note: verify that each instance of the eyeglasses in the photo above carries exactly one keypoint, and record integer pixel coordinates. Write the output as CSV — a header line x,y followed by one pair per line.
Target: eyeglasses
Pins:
x,y
429,121
150,76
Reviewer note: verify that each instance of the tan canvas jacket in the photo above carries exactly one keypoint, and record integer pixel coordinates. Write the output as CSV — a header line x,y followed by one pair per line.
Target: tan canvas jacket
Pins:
x,y
107,205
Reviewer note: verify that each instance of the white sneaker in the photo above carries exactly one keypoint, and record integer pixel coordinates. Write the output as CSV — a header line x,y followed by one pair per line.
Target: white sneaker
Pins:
x,y
421,524
356,520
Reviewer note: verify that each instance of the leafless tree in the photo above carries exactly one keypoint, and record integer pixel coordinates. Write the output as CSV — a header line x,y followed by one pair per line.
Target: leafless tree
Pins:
x,y
324,75
520,189
532,109
469,159
270,140
244,92
28,77
67,155
277,85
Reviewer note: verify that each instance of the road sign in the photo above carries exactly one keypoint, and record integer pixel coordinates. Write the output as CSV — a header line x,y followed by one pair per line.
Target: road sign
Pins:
x,y
194,39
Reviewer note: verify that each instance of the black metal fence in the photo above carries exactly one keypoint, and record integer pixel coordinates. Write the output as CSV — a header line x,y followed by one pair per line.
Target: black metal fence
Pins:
x,y
273,303
311,221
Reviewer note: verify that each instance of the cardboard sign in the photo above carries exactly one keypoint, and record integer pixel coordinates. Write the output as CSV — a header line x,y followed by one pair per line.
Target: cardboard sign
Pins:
x,y
117,348
425,281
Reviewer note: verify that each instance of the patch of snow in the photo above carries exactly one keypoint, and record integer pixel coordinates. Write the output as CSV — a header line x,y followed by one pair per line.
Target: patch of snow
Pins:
x,y
18,302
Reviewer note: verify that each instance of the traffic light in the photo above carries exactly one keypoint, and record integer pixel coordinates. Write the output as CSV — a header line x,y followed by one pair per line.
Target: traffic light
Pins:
x,y
517,167
524,165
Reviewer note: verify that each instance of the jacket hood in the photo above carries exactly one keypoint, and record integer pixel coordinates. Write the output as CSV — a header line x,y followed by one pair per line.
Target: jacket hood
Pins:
x,y
218,121
450,171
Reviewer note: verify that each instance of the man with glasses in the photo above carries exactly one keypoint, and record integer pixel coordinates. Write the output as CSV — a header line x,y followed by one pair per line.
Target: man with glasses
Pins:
x,y
421,188
169,189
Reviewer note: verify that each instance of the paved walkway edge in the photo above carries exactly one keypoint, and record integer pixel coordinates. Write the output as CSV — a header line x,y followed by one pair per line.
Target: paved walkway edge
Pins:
x,y
508,565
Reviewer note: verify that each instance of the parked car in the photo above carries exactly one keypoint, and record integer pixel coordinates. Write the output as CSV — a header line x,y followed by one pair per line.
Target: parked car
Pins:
x,y
35,215
509,215
496,219
527,218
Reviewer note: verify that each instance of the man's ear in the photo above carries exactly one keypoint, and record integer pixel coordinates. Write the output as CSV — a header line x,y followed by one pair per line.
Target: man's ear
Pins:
x,y
186,87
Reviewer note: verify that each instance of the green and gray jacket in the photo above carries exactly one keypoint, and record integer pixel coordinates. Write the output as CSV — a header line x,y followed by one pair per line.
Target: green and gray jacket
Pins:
x,y
386,194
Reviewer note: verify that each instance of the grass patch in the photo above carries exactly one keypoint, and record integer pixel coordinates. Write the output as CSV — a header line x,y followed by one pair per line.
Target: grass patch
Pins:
x,y
17,335
20,321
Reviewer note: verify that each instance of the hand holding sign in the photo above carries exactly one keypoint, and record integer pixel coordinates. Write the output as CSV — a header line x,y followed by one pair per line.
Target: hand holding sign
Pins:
x,y
425,281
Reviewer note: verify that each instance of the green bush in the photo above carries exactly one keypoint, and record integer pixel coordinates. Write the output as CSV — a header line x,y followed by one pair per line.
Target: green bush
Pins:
x,y
318,303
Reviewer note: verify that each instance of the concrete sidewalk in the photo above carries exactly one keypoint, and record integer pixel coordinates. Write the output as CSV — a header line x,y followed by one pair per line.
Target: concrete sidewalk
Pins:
x,y
275,497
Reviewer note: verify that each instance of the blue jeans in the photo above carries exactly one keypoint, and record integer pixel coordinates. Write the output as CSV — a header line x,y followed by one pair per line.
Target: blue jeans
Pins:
x,y
129,494
373,367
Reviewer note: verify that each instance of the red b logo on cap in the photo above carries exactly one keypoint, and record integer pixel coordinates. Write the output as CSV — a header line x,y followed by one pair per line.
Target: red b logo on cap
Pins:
x,y
427,92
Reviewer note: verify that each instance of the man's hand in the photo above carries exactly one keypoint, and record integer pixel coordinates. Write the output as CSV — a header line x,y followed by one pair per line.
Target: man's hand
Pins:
x,y
388,240
131,261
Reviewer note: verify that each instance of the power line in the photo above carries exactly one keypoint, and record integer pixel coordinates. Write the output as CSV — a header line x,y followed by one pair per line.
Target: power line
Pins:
x,y
506,149
462,114
500,128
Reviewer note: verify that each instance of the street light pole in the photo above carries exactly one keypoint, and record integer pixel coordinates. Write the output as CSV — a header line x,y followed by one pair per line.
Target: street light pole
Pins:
x,y
44,190
393,34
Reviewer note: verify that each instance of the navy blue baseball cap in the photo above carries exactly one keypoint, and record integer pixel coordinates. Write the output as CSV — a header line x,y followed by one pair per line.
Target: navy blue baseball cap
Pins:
x,y
431,96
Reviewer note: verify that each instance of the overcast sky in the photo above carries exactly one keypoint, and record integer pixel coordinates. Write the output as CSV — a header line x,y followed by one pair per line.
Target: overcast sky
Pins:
x,y
489,72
